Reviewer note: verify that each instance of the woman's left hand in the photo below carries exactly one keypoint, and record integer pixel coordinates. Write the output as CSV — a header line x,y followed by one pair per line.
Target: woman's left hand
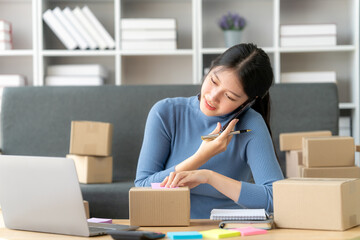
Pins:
x,y
186,178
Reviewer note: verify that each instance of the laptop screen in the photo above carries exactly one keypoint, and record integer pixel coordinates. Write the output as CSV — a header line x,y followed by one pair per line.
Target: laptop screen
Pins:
x,y
41,194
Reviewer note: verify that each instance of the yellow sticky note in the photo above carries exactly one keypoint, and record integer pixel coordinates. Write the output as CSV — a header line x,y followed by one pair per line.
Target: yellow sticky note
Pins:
x,y
220,233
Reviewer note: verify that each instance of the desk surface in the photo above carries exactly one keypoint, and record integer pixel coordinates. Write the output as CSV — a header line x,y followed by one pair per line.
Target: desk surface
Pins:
x,y
196,225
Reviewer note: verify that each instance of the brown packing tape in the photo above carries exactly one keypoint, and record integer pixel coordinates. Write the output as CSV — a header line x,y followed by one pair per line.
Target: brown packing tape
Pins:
x,y
357,148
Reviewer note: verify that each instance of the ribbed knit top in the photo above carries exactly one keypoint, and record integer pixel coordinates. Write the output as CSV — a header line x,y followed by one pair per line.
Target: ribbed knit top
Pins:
x,y
173,133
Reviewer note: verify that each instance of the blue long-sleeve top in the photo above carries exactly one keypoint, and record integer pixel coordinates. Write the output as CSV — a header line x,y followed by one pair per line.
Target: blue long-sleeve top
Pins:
x,y
173,133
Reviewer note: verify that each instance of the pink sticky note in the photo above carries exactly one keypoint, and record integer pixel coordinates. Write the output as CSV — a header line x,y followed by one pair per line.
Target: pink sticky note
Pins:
x,y
157,186
247,231
99,220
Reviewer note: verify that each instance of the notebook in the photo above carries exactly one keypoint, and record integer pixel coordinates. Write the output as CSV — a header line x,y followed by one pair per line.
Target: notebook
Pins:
x,y
43,194
239,214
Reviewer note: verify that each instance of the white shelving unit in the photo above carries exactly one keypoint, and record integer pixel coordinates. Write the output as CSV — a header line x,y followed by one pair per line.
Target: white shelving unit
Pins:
x,y
264,30
199,41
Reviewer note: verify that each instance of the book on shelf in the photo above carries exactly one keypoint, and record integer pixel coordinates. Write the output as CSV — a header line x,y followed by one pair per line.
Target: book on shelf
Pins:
x,y
148,45
264,224
80,28
168,34
5,36
239,214
6,45
73,81
77,70
89,27
308,77
70,28
148,23
307,29
307,41
12,80
5,26
56,26
99,27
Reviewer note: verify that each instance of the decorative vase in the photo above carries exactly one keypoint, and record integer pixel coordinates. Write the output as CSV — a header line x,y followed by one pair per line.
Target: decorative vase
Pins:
x,y
232,37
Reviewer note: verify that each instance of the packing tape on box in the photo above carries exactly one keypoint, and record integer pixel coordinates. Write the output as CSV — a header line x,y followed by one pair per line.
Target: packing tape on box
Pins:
x,y
92,128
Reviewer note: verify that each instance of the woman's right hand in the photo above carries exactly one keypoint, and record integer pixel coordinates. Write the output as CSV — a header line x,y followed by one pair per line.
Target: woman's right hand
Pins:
x,y
210,148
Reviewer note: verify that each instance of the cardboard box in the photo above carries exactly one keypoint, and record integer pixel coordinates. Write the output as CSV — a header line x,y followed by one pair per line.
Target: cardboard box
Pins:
x,y
329,152
330,172
87,209
317,203
91,138
293,141
93,169
159,207
293,163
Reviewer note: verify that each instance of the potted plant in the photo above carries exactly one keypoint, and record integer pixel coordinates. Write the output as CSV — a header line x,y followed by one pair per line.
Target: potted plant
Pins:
x,y
232,24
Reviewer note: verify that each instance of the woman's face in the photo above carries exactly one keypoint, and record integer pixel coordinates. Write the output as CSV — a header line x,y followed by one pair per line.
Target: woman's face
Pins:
x,y
221,92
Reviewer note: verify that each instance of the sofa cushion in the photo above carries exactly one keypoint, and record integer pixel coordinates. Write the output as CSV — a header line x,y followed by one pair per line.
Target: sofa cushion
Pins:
x,y
108,200
36,121
303,107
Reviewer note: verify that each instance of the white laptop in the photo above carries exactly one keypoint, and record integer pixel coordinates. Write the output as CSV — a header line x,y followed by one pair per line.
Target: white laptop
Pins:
x,y
43,194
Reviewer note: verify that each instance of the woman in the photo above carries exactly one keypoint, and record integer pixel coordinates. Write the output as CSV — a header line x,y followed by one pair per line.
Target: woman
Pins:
x,y
218,172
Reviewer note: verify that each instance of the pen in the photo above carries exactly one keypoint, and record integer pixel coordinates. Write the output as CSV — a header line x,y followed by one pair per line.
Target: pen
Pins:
x,y
213,136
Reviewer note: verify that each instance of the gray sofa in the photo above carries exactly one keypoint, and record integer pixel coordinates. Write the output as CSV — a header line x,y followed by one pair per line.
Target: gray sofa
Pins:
x,y
36,121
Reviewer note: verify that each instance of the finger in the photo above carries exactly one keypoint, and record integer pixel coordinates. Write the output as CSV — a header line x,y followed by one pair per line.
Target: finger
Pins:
x,y
230,128
183,182
170,179
188,182
163,183
177,178
217,129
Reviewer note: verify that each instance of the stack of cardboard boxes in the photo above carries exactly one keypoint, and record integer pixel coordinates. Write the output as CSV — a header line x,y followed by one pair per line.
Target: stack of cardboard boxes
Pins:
x,y
319,155
323,189
90,148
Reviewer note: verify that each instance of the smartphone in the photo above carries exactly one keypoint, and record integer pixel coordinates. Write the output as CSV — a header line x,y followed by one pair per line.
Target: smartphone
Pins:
x,y
245,106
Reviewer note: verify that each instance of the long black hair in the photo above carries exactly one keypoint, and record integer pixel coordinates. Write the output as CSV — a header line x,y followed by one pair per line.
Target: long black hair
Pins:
x,y
253,68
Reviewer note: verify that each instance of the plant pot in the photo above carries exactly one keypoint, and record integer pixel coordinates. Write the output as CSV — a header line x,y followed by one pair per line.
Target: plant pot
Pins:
x,y
232,37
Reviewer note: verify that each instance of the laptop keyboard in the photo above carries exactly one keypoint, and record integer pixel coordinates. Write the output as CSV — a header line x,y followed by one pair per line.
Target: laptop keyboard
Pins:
x,y
102,228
